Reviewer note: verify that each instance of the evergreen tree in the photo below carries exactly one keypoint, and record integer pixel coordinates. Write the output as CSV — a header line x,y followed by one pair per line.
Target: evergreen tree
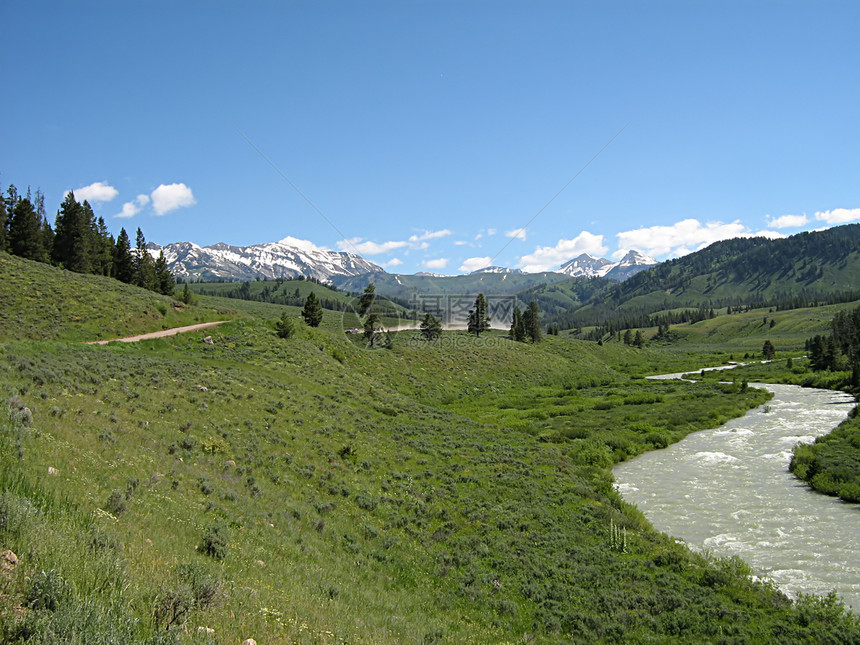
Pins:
x,y
123,263
164,281
144,265
478,319
371,327
518,327
637,339
4,225
312,312
25,232
187,297
285,327
73,236
45,229
431,327
366,300
628,337
102,249
767,351
531,321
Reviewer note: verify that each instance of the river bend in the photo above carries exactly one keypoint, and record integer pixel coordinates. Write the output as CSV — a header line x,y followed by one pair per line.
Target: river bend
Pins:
x,y
728,491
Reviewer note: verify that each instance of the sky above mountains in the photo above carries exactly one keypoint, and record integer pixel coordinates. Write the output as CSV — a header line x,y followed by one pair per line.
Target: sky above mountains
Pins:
x,y
439,136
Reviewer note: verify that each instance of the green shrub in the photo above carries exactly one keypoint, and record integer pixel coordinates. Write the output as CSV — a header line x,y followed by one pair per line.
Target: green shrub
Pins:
x,y
214,542
115,504
46,590
14,512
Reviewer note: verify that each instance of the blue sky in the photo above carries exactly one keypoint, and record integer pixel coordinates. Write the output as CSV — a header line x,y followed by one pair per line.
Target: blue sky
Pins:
x,y
426,135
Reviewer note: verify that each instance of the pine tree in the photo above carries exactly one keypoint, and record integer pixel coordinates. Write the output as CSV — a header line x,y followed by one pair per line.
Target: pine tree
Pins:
x,y
144,265
431,327
4,225
371,327
285,327
637,339
518,327
123,263
164,281
25,232
312,312
102,249
767,351
73,235
366,300
531,321
478,319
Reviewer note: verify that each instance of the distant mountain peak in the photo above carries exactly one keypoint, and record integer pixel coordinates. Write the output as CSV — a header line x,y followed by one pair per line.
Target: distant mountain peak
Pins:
x,y
497,269
588,266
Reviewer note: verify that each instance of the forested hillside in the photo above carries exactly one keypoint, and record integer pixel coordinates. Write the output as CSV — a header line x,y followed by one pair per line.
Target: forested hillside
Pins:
x,y
798,271
78,241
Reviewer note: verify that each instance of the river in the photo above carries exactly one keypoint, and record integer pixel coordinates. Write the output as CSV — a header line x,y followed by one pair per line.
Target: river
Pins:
x,y
728,491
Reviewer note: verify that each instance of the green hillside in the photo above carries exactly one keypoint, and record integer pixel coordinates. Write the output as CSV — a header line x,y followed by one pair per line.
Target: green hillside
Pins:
x,y
43,302
312,490
795,271
284,292
405,286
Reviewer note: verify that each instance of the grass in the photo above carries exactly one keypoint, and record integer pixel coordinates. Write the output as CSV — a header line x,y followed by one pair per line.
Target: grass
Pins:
x,y
315,491
43,302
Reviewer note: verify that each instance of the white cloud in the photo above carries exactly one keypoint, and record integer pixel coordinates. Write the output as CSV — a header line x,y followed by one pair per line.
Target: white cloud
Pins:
x,y
473,264
688,233
97,192
517,233
545,258
839,215
169,197
393,262
368,247
491,231
460,243
304,245
787,221
438,263
130,209
429,235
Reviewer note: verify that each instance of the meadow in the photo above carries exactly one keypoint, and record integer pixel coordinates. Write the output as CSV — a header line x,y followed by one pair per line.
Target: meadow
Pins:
x,y
313,490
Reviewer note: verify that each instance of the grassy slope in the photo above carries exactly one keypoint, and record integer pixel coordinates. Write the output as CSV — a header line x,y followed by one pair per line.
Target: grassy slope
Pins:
x,y
40,301
746,332
369,496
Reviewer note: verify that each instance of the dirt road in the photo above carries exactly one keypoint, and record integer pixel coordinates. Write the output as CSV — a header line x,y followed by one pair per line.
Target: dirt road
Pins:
x,y
157,334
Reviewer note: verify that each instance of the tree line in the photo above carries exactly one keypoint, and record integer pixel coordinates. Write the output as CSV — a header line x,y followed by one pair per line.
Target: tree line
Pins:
x,y
78,241
839,350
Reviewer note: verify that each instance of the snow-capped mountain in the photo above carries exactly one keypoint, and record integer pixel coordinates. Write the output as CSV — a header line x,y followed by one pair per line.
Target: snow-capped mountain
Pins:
x,y
287,258
588,266
495,269
630,265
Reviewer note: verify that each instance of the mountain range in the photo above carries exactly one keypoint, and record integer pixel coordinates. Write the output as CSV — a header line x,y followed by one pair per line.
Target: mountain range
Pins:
x,y
291,257
287,258
588,266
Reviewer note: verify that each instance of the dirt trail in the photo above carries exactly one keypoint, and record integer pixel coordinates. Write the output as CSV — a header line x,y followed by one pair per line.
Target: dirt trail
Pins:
x,y
157,334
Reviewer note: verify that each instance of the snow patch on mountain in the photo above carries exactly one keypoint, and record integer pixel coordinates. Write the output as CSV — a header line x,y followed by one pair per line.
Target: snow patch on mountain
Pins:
x,y
287,258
